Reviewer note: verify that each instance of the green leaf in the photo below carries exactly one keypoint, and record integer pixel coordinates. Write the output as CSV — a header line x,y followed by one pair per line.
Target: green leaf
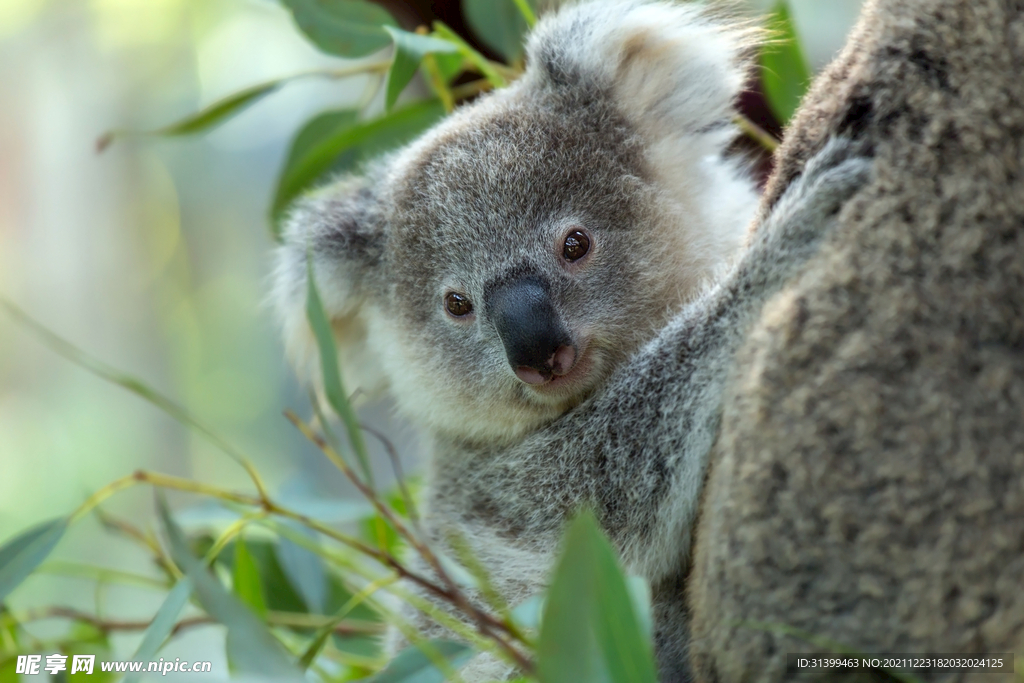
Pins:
x,y
527,613
590,631
410,48
333,387
305,571
247,579
413,665
86,639
213,115
250,646
784,71
450,65
485,66
305,162
499,24
20,555
334,142
640,594
9,670
349,28
9,648
159,630
221,110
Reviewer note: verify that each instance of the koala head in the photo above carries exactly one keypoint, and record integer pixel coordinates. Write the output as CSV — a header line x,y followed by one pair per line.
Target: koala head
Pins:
x,y
492,274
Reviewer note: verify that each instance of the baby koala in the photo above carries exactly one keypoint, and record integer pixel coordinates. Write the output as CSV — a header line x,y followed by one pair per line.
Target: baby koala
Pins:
x,y
550,283
493,273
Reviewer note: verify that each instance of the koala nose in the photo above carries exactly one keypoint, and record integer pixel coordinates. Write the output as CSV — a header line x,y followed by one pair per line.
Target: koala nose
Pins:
x,y
536,343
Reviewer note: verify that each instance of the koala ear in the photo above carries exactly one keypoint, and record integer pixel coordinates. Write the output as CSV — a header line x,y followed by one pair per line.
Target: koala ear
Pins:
x,y
674,70
341,229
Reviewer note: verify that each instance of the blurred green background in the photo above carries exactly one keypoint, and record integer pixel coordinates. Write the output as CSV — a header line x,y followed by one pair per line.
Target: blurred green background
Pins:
x,y
154,257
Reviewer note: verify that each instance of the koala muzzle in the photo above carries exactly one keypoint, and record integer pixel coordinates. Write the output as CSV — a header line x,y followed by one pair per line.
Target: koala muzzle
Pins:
x,y
536,342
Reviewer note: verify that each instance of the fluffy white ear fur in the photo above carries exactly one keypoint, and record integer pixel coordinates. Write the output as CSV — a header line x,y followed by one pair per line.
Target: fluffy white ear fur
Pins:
x,y
674,69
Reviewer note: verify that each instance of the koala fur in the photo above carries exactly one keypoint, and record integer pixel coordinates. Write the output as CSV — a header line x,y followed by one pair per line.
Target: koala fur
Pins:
x,y
867,486
617,128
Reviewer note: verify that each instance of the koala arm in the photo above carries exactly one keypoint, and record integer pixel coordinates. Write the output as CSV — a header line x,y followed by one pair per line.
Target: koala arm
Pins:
x,y
637,451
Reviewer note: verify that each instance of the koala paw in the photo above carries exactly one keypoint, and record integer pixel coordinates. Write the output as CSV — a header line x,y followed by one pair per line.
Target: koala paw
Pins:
x,y
807,210
832,176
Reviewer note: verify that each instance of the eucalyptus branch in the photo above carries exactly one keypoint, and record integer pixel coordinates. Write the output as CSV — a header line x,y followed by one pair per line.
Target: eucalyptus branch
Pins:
x,y
756,132
228,534
467,90
100,574
396,467
147,541
187,485
288,619
486,623
437,84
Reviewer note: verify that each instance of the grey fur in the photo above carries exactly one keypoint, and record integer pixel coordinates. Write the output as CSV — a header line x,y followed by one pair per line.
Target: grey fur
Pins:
x,y
618,126
636,451
866,487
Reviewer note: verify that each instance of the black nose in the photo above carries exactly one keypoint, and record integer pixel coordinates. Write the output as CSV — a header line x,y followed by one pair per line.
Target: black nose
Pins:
x,y
536,343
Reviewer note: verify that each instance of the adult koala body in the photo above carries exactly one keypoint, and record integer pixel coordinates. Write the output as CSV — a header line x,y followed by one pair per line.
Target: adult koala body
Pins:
x,y
868,482
532,276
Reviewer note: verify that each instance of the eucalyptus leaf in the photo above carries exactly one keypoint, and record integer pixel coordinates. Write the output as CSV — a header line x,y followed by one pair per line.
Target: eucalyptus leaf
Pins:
x,y
590,631
9,638
499,24
527,614
250,646
640,594
333,387
333,142
450,65
348,28
412,665
486,67
9,670
305,571
220,111
204,119
246,579
410,48
20,555
162,625
784,71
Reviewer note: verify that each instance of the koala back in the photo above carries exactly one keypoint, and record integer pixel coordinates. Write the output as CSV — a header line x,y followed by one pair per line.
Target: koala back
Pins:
x,y
493,273
867,486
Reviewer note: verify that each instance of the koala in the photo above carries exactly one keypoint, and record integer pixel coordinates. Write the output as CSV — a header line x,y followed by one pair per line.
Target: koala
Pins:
x,y
867,484
492,274
550,283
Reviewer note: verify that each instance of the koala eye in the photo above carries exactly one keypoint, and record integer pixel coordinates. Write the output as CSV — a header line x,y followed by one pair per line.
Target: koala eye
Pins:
x,y
576,246
457,304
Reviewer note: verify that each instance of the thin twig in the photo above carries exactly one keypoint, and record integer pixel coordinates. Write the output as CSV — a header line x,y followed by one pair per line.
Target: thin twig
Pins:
x,y
486,623
136,534
396,467
290,619
756,133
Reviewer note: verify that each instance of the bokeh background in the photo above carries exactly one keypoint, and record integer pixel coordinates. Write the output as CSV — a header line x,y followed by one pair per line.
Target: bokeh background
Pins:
x,y
154,257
